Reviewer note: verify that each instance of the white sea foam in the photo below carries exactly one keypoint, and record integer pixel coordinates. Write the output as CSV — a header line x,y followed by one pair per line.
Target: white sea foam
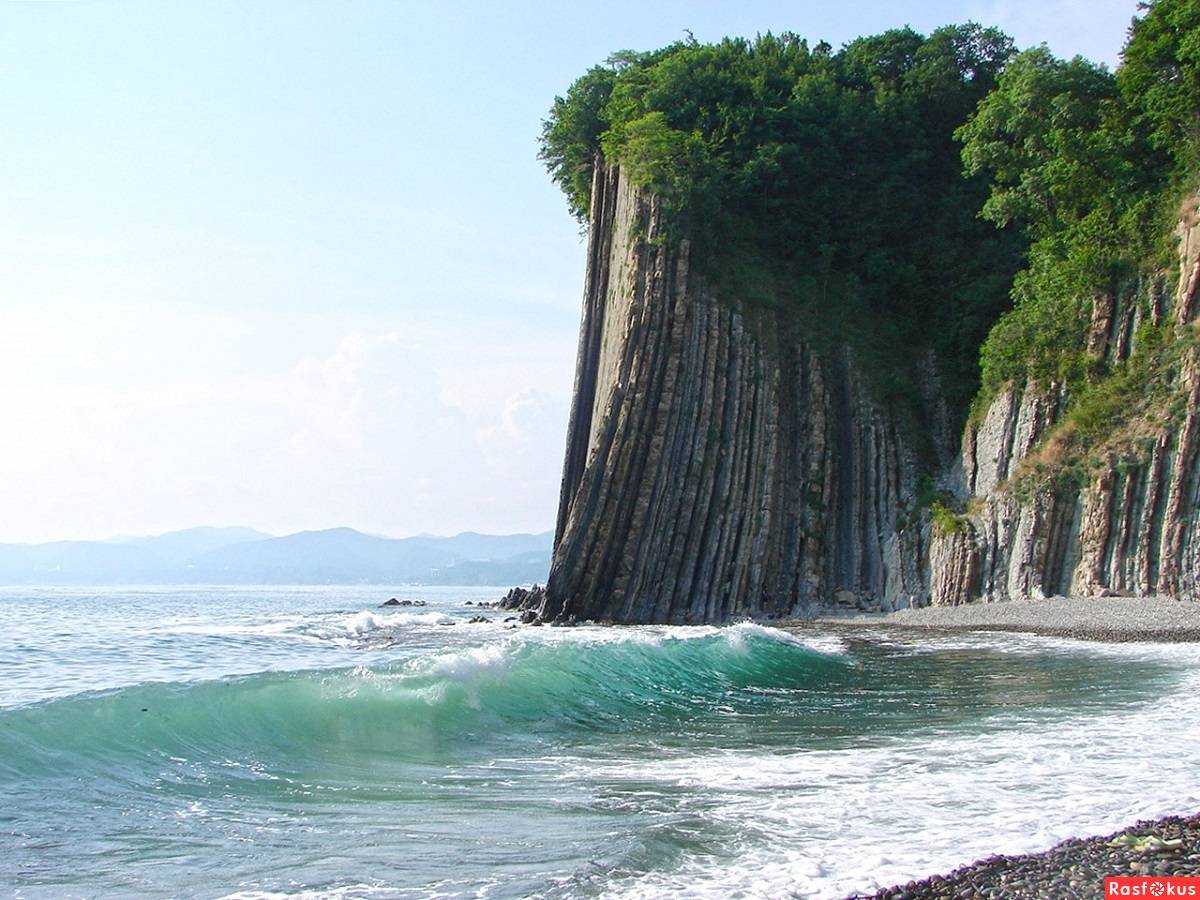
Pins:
x,y
828,644
342,628
826,823
1023,644
465,665
369,627
362,624
736,635
324,893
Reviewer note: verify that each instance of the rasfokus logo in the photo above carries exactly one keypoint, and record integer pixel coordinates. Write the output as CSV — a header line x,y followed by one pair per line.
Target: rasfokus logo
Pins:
x,y
1151,886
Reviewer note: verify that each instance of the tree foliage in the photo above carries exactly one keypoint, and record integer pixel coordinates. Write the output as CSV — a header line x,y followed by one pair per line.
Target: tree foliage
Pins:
x,y
1090,165
1041,137
908,191
827,182
1160,76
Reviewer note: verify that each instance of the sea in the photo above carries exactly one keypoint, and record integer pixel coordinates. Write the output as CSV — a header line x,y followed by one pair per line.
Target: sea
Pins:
x,y
306,742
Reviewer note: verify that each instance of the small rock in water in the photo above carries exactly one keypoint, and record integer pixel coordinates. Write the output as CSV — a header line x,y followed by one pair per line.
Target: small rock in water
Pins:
x,y
524,598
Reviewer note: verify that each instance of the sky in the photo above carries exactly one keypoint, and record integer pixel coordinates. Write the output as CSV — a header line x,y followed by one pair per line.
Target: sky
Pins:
x,y
295,265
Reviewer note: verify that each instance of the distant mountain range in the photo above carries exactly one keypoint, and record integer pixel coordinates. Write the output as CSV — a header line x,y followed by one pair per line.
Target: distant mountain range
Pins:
x,y
245,556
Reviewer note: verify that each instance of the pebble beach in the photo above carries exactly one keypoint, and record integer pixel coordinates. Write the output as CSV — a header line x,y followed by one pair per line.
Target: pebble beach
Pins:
x,y
1114,619
1074,869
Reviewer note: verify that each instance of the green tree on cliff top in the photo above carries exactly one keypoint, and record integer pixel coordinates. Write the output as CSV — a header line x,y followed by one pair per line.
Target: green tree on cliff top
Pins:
x,y
823,182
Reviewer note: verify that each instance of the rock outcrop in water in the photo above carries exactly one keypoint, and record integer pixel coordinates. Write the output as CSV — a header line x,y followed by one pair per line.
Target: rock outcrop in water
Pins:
x,y
720,464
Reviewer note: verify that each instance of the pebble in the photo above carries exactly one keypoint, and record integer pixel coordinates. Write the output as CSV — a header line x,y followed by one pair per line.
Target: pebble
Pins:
x,y
1074,870
1088,618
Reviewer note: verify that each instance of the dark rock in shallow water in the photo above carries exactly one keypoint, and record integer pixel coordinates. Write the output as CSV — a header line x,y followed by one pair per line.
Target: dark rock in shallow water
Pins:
x,y
395,602
476,620
530,617
523,598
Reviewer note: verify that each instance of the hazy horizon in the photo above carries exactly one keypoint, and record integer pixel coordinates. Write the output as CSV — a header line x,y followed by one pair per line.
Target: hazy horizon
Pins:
x,y
293,263
266,535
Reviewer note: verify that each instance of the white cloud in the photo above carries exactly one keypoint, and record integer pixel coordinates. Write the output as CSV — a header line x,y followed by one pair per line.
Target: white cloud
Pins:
x,y
144,420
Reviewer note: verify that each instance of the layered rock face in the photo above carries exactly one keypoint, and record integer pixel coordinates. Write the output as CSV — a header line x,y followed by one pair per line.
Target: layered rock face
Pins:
x,y
719,465
716,464
1131,528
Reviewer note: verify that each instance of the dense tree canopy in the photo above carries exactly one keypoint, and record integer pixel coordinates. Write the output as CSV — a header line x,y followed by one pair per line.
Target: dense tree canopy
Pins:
x,y
905,191
1091,166
824,181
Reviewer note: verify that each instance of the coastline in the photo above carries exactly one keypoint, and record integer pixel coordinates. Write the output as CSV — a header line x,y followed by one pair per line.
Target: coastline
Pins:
x,y
1075,868
1109,619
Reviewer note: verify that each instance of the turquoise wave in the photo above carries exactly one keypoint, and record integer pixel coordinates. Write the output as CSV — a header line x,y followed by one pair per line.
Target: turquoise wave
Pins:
x,y
520,689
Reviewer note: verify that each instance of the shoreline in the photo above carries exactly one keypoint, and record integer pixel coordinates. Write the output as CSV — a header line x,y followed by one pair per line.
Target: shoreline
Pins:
x,y
1107,619
1074,868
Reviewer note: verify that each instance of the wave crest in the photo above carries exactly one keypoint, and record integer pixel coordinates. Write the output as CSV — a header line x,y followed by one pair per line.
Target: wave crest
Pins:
x,y
534,683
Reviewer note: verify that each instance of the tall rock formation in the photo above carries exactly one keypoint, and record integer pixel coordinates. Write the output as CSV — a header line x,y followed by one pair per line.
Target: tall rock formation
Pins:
x,y
716,464
719,465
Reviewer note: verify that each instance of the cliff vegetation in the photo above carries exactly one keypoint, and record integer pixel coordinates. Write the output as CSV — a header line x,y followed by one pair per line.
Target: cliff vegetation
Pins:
x,y
855,187
810,269
825,182
1093,167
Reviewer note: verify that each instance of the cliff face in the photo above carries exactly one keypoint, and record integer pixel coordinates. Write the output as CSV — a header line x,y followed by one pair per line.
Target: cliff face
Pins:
x,y
719,465
1132,526
716,464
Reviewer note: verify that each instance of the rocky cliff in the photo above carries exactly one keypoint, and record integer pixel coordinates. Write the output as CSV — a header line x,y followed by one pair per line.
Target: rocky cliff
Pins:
x,y
720,463
1127,522
716,465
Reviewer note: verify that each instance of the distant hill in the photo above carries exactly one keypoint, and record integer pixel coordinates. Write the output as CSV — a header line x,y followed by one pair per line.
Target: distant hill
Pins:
x,y
245,556
175,546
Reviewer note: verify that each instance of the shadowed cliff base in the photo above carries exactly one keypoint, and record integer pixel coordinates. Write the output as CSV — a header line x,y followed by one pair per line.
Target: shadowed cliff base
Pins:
x,y
1074,870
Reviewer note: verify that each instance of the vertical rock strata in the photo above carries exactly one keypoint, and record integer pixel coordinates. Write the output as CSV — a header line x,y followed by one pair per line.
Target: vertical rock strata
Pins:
x,y
1131,529
718,465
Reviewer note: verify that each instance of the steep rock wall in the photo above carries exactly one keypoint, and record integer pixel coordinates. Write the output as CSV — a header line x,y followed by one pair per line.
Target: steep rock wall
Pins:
x,y
1132,527
719,465
716,464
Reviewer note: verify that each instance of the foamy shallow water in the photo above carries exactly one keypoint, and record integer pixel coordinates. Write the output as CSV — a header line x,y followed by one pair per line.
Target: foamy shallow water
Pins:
x,y
274,742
